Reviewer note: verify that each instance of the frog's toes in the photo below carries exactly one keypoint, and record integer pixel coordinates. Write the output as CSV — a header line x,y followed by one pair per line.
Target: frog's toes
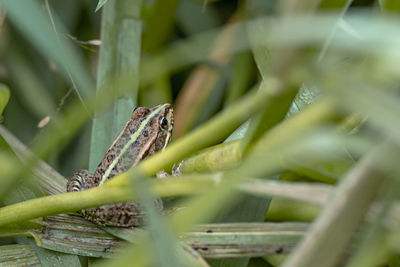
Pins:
x,y
162,174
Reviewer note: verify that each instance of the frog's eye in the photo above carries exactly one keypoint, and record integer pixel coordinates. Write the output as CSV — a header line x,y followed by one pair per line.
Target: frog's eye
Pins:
x,y
164,123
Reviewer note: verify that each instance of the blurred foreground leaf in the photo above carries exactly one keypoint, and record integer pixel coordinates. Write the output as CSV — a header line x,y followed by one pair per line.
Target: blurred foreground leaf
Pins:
x,y
4,97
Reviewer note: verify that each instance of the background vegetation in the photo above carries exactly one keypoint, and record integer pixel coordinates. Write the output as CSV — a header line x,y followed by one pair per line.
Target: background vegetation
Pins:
x,y
286,113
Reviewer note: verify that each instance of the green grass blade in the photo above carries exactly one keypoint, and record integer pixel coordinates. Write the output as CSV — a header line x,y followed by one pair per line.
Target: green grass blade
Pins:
x,y
48,179
54,258
18,254
119,54
4,97
251,239
100,4
329,235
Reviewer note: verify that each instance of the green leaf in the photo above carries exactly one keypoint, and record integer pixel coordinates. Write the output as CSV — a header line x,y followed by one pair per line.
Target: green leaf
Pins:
x,y
31,255
275,111
100,4
4,144
49,180
119,54
75,235
4,97
163,240
18,255
241,78
54,258
251,239
282,209
9,166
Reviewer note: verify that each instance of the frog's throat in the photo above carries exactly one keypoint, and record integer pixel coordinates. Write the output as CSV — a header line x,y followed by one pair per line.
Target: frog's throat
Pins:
x,y
132,139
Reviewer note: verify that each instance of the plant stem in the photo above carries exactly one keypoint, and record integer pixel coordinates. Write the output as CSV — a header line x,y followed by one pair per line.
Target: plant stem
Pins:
x,y
97,196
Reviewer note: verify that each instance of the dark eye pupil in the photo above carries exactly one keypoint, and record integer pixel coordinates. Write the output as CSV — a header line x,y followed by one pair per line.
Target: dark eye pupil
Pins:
x,y
164,123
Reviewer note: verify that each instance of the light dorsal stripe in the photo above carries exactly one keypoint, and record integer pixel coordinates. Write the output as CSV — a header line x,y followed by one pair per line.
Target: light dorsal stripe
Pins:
x,y
132,139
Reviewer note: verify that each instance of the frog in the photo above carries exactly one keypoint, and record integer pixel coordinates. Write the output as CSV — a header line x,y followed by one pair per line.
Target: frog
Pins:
x,y
148,131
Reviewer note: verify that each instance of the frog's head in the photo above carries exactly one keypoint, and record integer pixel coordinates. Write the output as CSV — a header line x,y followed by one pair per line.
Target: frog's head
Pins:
x,y
153,127
164,121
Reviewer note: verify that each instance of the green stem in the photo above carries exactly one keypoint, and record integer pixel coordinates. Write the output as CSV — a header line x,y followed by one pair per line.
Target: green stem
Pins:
x,y
105,194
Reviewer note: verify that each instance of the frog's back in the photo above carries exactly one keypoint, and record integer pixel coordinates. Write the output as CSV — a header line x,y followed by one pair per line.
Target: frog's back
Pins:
x,y
131,146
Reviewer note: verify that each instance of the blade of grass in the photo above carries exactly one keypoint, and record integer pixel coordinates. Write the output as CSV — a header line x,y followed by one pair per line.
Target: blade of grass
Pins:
x,y
251,239
376,244
309,192
163,241
4,97
121,31
241,78
8,165
329,235
75,235
18,254
53,258
281,210
100,4
49,179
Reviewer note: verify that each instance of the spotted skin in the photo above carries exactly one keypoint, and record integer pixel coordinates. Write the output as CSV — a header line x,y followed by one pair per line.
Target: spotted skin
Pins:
x,y
147,132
